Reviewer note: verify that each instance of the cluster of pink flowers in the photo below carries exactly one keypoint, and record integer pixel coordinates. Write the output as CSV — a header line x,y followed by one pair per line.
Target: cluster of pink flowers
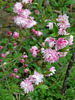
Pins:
x,y
50,55
25,65
13,74
34,50
23,19
63,23
27,84
37,33
52,69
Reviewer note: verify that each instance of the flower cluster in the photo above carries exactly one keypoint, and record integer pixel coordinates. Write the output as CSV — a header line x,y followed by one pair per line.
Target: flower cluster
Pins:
x,y
37,33
34,50
63,23
50,55
23,19
27,84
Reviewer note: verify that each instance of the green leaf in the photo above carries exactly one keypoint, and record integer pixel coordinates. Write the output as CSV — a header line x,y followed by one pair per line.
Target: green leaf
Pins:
x,y
55,29
46,45
69,2
42,87
47,72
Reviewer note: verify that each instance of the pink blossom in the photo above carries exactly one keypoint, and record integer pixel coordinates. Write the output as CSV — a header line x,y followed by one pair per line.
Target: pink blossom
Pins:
x,y
62,31
13,75
22,61
36,78
50,55
60,43
37,12
50,25
63,21
39,33
6,7
24,22
33,30
1,47
3,55
15,44
25,13
52,69
62,54
20,21
16,76
25,56
70,40
26,70
50,40
17,7
25,65
9,33
27,85
26,1
34,50
16,35
34,54
15,70
0,60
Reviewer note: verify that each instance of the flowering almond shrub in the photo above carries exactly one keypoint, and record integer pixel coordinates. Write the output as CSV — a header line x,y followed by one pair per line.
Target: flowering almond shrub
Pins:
x,y
34,49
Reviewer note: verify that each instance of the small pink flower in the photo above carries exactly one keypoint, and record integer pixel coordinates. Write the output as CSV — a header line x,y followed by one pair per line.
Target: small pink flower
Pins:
x,y
3,55
37,12
26,70
22,61
34,54
25,56
9,33
52,69
71,40
16,35
15,70
25,65
16,76
15,44
33,30
1,47
34,50
13,75
6,7
0,60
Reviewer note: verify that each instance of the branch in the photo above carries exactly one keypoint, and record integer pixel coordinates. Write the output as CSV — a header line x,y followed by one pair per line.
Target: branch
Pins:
x,y
65,83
